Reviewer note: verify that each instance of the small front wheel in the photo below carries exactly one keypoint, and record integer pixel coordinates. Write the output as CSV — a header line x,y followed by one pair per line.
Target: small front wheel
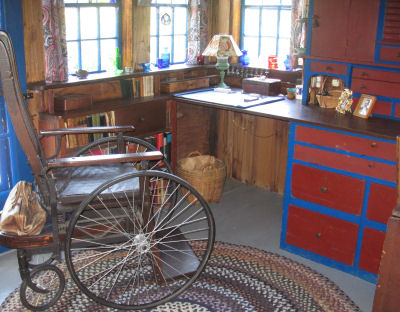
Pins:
x,y
47,285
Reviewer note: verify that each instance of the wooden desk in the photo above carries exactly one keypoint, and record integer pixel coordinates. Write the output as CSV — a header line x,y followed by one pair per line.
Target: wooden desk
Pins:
x,y
337,173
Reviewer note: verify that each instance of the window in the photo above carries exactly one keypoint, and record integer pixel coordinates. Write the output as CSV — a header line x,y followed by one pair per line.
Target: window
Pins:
x,y
91,34
266,29
168,30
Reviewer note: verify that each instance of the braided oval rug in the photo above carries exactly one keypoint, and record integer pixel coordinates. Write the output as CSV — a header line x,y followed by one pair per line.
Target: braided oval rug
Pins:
x,y
237,278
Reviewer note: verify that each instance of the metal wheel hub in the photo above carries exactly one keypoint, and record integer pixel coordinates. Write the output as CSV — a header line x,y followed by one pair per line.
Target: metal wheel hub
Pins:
x,y
142,243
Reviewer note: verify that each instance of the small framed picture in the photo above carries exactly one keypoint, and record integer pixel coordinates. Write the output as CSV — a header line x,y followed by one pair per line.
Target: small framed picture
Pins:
x,y
345,101
364,106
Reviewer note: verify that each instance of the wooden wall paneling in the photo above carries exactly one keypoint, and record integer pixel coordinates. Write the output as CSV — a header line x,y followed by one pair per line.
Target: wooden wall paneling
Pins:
x,y
33,40
127,33
224,14
99,91
224,147
193,129
141,37
236,12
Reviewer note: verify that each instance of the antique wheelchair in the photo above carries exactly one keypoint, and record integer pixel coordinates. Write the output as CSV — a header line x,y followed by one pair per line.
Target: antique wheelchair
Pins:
x,y
132,234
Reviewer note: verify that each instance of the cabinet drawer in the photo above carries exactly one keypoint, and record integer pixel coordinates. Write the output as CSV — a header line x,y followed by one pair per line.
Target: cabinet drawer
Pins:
x,y
371,250
146,117
372,74
345,142
328,188
391,54
381,202
346,163
322,234
376,87
329,68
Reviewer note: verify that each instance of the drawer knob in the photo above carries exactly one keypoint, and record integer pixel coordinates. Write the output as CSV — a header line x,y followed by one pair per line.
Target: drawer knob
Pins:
x,y
398,54
362,86
370,165
318,235
324,189
363,74
328,68
141,119
373,144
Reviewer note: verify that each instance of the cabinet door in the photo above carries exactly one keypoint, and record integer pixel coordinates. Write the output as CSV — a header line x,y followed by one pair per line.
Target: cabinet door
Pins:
x,y
361,29
329,31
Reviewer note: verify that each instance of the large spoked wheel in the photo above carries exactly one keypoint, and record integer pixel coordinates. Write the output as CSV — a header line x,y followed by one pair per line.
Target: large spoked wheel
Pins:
x,y
47,285
112,145
139,248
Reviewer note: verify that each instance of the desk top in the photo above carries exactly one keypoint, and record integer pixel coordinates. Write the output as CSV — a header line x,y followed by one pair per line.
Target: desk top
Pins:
x,y
293,110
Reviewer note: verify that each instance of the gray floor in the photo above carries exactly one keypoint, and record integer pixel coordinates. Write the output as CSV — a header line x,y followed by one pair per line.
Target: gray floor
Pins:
x,y
246,215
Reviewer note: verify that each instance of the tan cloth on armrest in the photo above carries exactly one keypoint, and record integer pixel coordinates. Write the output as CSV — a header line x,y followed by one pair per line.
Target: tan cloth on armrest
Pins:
x,y
22,213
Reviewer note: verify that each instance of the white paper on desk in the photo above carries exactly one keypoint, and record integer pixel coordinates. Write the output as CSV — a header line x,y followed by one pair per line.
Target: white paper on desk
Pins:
x,y
235,98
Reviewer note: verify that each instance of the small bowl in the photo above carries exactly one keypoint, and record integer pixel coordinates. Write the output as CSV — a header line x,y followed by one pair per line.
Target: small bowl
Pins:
x,y
81,74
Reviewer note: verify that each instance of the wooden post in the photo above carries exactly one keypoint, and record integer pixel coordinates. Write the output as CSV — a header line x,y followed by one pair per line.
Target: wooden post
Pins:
x,y
127,33
141,38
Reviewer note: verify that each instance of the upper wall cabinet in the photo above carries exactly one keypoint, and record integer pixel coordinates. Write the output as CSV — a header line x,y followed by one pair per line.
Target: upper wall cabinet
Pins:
x,y
344,29
388,39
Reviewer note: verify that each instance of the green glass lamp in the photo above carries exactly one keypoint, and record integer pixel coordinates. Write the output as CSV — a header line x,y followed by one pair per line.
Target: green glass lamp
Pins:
x,y
222,46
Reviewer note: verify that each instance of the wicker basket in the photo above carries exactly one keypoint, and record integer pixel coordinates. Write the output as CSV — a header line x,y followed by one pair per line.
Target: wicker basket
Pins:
x,y
328,96
205,173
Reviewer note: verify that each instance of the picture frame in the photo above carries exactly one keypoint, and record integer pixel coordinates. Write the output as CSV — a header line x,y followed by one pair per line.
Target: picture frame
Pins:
x,y
364,106
345,101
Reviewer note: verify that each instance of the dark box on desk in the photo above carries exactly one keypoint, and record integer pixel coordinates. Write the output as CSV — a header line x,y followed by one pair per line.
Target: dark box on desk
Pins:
x,y
69,102
264,86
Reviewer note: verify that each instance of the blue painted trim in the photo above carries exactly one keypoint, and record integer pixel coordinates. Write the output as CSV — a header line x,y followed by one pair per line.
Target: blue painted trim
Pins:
x,y
288,181
379,33
372,278
361,226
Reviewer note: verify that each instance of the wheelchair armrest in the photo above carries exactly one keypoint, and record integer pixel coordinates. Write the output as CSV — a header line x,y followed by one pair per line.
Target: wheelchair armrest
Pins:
x,y
103,159
86,130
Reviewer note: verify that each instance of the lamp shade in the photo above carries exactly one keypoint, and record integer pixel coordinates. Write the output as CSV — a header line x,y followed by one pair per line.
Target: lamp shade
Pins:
x,y
222,45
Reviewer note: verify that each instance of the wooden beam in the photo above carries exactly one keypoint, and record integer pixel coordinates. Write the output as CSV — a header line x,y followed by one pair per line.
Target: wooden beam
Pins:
x,y
33,40
127,33
141,38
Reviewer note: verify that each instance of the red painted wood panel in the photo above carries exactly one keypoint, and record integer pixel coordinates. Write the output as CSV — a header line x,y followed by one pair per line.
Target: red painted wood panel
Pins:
x,y
380,107
347,163
371,250
374,74
381,202
376,87
322,234
330,68
346,142
329,38
391,54
329,189
397,110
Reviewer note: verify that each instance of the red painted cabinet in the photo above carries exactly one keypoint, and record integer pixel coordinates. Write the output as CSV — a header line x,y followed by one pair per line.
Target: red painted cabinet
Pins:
x,y
340,191
344,29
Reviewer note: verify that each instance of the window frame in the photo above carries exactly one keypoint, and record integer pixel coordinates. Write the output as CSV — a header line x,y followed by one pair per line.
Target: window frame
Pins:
x,y
260,8
117,4
173,6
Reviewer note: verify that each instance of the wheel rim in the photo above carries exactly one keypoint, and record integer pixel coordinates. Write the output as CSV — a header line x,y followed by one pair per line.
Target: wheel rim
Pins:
x,y
132,252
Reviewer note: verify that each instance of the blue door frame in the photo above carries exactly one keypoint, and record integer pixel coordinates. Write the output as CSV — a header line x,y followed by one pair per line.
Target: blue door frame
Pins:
x,y
13,162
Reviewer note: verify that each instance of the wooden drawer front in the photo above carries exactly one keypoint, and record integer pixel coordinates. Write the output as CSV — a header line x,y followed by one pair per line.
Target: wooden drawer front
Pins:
x,y
347,163
376,87
349,143
330,68
328,188
380,107
146,117
381,202
373,74
371,250
322,234
391,54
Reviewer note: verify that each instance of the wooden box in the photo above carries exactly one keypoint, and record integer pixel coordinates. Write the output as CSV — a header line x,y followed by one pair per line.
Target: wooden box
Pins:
x,y
184,85
69,102
266,86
